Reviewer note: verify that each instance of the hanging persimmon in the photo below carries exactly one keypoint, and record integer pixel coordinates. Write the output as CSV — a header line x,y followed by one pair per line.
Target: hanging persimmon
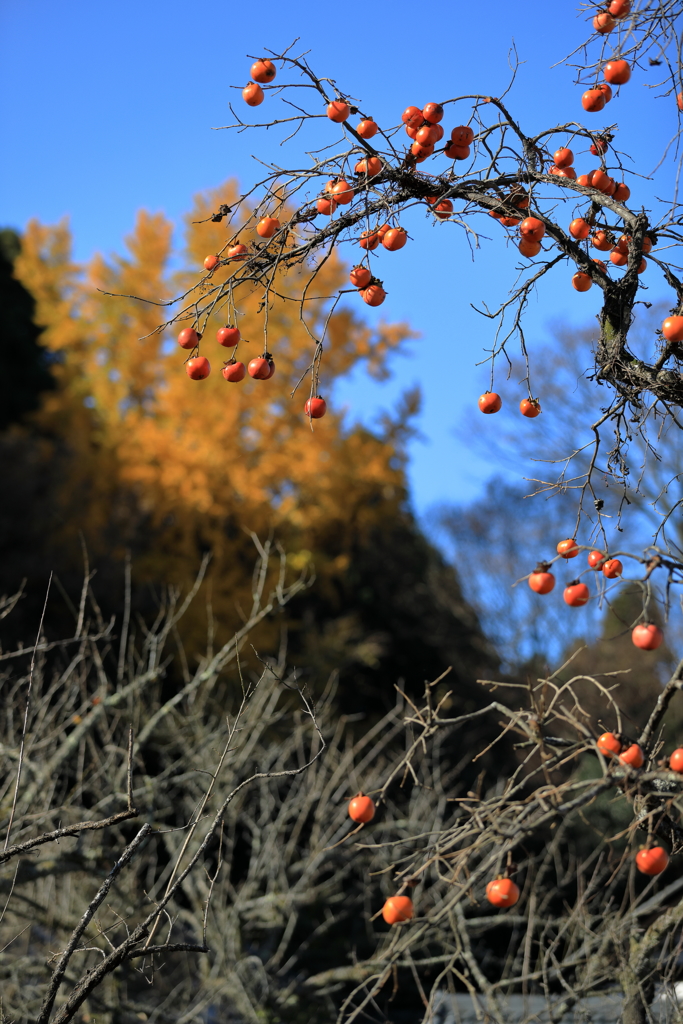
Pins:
x,y
315,408
198,368
490,402
362,809
397,909
253,94
263,71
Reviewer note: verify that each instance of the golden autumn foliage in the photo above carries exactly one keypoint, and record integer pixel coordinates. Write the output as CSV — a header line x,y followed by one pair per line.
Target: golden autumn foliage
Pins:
x,y
194,465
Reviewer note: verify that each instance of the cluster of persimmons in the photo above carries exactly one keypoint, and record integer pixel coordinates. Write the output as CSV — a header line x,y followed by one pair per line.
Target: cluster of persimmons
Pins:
x,y
425,131
672,332
646,636
260,368
503,891
614,11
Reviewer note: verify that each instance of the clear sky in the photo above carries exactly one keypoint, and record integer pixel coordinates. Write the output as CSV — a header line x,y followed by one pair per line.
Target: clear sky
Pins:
x,y
108,107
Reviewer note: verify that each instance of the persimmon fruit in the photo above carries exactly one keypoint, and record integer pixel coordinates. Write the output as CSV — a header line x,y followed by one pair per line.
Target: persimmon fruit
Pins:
x,y
367,128
502,892
620,8
596,559
455,152
429,134
198,368
608,744
326,205
267,227
593,100
579,228
422,151
532,229
490,402
676,760
234,371
260,368
263,71
238,252
647,636
342,192
432,112
338,111
188,338
211,262
617,72
529,248
369,240
612,568
541,582
603,22
672,328
371,166
361,808
462,135
373,295
568,548
253,94
360,277
394,239
601,241
563,172
441,208
563,157
412,117
599,179
315,409
599,147
633,756
576,595
397,909
582,281
228,336
652,861
530,408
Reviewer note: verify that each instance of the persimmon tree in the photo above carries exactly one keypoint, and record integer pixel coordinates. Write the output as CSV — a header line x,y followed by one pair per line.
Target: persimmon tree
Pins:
x,y
361,186
356,191
542,880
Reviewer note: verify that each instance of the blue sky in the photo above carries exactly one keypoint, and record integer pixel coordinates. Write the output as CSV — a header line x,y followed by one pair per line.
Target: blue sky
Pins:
x,y
108,108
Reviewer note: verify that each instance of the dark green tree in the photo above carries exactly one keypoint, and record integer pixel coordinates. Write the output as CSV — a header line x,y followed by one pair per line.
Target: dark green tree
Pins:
x,y
24,363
